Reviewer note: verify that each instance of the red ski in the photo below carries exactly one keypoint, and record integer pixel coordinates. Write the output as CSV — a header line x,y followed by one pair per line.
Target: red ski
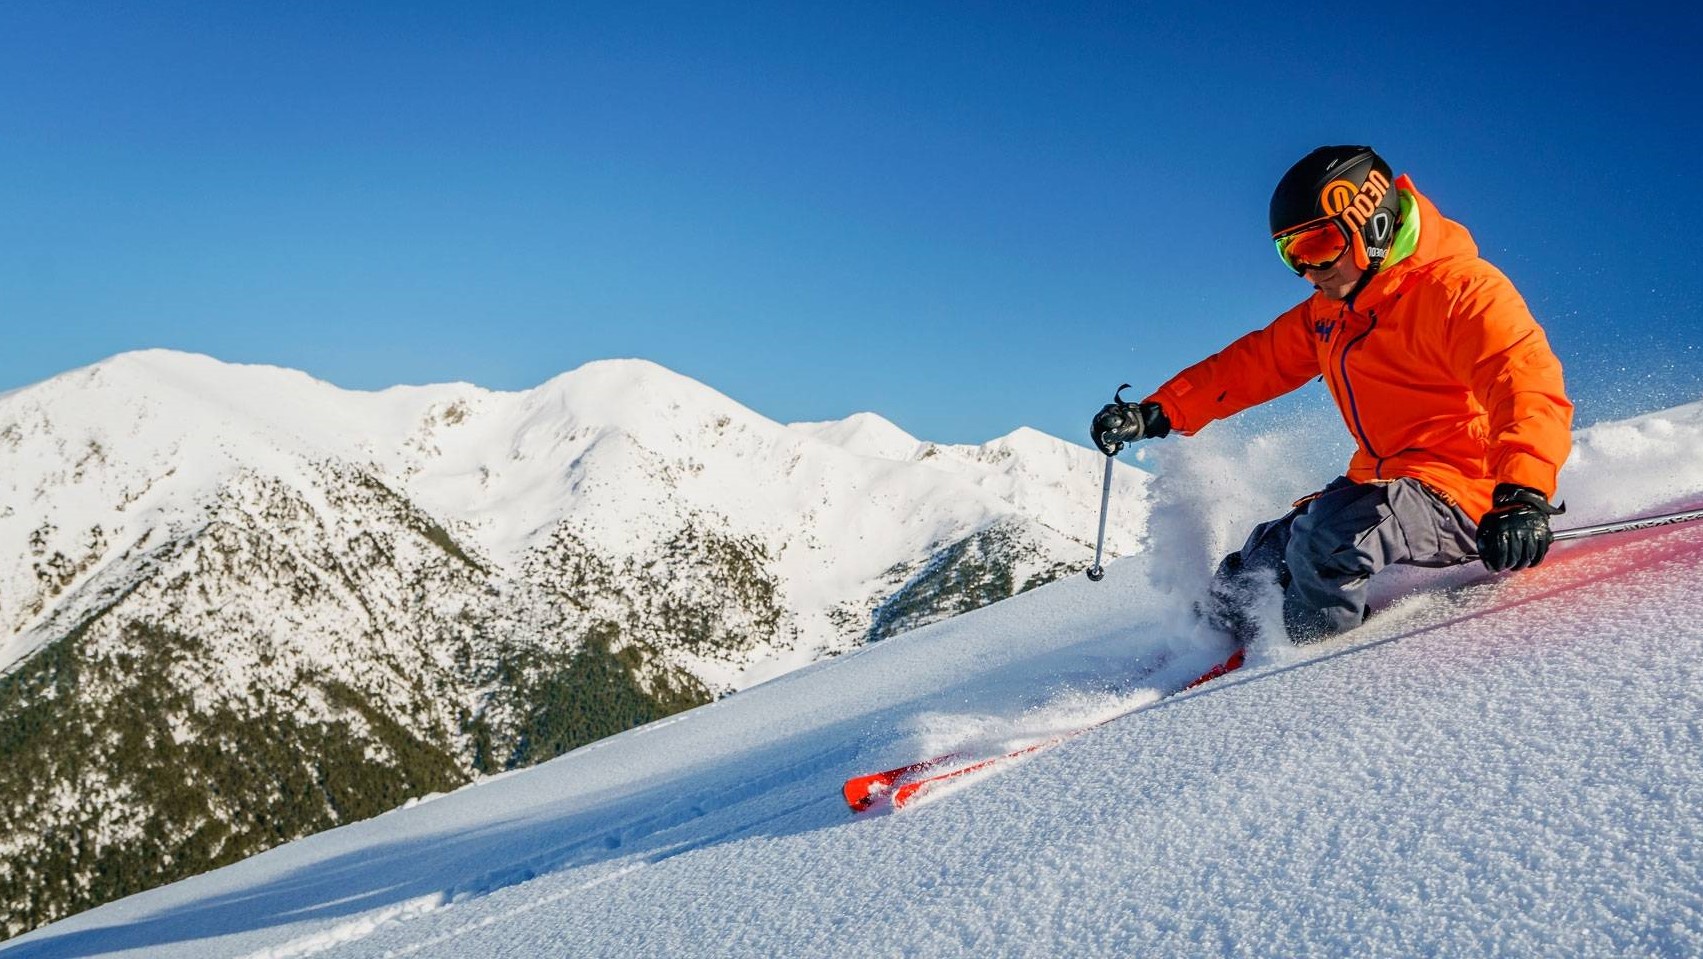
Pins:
x,y
861,792
906,783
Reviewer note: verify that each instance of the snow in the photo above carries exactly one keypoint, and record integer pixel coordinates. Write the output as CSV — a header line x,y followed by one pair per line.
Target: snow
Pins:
x,y
866,434
104,463
1503,765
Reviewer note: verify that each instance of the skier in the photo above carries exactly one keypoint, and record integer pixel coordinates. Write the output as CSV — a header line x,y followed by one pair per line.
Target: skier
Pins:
x,y
1448,385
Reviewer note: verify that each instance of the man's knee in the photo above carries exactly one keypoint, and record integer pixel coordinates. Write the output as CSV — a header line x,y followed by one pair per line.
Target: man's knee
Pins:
x,y
1326,591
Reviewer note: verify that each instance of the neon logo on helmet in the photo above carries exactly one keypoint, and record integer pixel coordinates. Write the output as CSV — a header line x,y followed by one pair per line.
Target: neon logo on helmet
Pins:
x,y
1354,204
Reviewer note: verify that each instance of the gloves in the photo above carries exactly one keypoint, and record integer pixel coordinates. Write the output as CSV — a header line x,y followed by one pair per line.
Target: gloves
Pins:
x,y
1515,533
1120,423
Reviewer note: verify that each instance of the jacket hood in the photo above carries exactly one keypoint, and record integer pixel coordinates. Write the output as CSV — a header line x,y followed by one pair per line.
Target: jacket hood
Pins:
x,y
1439,239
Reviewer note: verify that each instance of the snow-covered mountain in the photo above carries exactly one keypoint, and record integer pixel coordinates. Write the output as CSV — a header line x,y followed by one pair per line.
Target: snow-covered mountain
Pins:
x,y
238,604
1493,765
104,462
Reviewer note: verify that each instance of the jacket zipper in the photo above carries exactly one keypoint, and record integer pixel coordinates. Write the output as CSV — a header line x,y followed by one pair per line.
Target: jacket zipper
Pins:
x,y
1348,392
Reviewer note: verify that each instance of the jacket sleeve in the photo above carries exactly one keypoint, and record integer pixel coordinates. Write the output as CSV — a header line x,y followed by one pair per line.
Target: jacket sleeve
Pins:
x,y
1495,346
1261,366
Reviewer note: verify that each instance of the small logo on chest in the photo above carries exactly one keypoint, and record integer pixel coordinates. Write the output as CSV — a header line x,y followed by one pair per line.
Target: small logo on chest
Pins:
x,y
1324,329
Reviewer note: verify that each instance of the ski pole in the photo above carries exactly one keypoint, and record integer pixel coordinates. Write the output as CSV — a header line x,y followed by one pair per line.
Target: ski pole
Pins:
x,y
1096,572
1627,525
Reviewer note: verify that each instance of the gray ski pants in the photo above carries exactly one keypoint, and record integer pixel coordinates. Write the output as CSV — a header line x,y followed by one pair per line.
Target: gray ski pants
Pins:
x,y
1324,552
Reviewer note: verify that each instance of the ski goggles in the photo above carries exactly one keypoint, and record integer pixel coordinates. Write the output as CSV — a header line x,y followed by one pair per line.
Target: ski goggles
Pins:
x,y
1315,246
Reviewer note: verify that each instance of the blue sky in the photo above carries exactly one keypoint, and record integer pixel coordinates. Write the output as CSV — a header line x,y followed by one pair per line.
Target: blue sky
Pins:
x,y
966,217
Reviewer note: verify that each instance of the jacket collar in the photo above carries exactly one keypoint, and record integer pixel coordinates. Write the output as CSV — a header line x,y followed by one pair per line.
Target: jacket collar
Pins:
x,y
1439,239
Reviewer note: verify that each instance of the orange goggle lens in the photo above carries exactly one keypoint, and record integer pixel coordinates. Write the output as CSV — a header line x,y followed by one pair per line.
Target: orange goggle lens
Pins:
x,y
1317,248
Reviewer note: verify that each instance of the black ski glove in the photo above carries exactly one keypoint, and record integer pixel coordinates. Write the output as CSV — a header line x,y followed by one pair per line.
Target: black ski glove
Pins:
x,y
1515,533
1120,423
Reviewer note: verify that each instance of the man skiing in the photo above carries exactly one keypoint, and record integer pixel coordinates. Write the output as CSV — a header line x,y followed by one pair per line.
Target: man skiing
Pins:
x,y
1448,385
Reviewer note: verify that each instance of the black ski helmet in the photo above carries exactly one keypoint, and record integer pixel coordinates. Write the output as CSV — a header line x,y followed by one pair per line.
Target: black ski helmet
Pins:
x,y
1350,185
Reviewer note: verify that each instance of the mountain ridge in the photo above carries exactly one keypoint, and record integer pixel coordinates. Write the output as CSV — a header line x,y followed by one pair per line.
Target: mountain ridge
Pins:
x,y
489,483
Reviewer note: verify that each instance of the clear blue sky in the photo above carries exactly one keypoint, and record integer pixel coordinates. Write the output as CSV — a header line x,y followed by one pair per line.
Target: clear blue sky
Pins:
x,y
966,217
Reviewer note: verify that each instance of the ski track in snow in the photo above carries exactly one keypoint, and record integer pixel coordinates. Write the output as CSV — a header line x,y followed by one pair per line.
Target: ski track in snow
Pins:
x,y
1503,765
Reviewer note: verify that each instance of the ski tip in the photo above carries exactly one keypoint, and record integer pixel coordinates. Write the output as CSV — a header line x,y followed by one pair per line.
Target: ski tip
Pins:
x,y
861,792
1235,662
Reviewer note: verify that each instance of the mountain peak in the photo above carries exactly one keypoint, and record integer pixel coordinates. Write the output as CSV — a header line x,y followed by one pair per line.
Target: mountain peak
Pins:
x,y
621,375
866,434
1027,439
620,388
189,369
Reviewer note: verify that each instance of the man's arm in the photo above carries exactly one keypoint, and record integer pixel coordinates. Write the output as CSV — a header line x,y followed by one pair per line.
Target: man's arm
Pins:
x,y
1261,366
1497,349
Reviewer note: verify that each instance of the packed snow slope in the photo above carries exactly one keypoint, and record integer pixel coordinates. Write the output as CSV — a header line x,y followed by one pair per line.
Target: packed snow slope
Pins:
x,y
1503,765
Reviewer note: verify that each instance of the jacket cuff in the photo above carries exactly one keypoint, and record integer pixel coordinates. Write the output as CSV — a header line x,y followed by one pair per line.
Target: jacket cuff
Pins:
x,y
1169,398
1524,469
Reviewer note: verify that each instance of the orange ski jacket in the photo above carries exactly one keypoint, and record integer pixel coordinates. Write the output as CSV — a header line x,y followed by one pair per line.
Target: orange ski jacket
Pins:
x,y
1438,368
